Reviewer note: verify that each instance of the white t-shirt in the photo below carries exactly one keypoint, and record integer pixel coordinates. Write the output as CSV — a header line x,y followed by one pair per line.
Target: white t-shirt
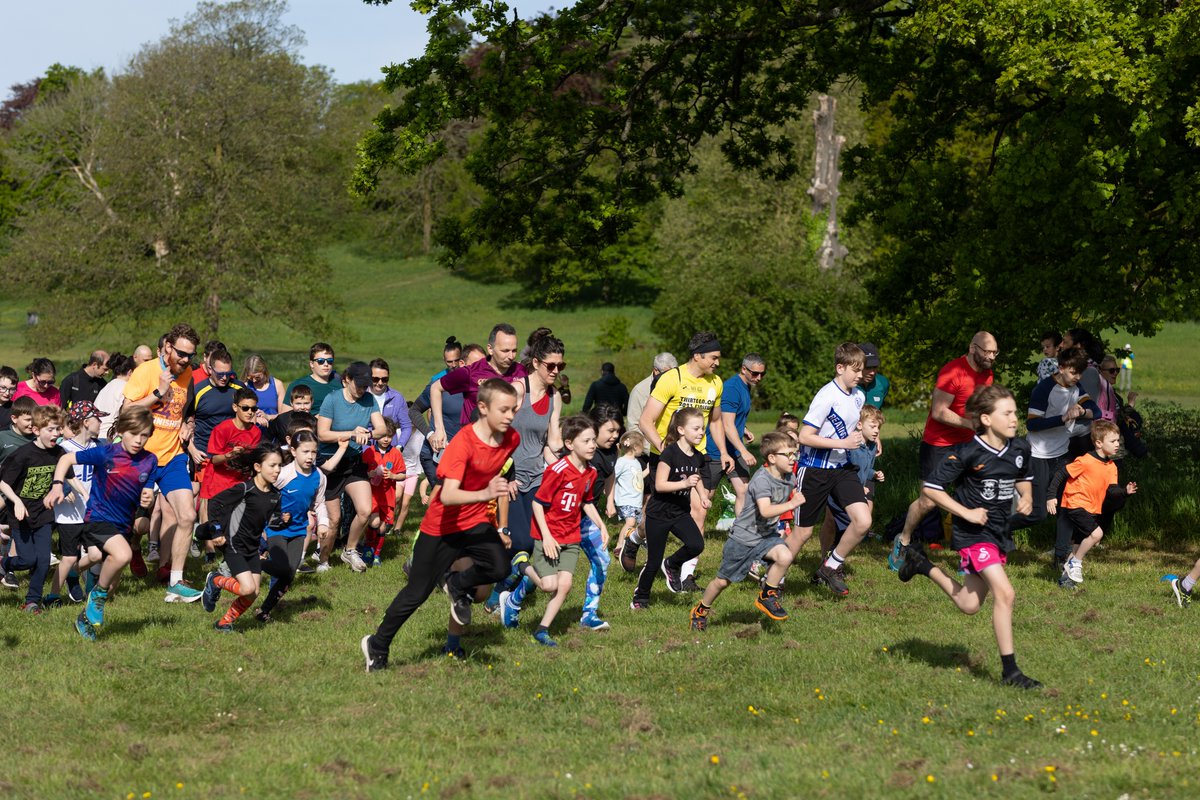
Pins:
x,y
629,483
70,511
834,413
109,402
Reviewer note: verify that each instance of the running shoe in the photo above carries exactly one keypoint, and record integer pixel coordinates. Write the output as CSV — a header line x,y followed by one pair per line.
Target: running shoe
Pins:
x,y
914,562
1074,570
639,605
543,638
689,584
163,575
700,618
355,561
75,593
1065,582
591,622
376,561
757,571
458,654
137,565
31,608
94,610
509,614
306,569
210,594
829,576
768,603
460,603
262,616
182,592
194,549
1021,681
224,627
84,628
897,557
323,567
51,601
54,560
674,582
9,581
629,555
374,663
1182,596
152,554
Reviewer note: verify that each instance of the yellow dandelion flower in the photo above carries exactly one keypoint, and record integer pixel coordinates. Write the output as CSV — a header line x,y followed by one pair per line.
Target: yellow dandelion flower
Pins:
x,y
930,779
714,759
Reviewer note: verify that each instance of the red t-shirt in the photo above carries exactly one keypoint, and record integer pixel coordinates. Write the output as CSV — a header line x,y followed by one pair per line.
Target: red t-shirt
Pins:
x,y
563,492
383,490
466,381
958,379
226,436
473,463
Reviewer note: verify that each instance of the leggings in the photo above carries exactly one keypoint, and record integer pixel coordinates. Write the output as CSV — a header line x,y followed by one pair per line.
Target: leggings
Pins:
x,y
684,528
431,557
283,559
33,554
599,559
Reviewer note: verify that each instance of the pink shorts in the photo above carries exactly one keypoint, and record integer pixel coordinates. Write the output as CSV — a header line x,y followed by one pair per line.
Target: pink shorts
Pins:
x,y
409,484
978,557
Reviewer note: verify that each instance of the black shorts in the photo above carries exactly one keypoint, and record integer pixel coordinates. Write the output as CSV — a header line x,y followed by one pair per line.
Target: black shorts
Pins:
x,y
931,457
96,534
70,538
1083,523
819,484
712,473
352,469
652,465
240,560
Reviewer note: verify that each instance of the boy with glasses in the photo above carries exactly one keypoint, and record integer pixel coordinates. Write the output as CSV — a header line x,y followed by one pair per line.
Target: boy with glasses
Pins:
x,y
322,380
8,387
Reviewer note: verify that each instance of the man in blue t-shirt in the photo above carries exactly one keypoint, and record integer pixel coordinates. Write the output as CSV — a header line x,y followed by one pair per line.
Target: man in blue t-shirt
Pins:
x,y
873,385
735,408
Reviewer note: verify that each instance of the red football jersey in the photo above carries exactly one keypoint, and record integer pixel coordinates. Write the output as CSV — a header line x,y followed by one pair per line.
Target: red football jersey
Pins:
x,y
562,495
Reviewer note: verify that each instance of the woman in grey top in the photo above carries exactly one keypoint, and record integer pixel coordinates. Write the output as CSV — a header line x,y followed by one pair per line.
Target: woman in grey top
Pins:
x,y
537,421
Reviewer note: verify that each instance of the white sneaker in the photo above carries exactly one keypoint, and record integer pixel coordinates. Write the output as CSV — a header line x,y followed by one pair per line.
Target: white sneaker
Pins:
x,y
324,567
152,555
1074,570
355,561
53,560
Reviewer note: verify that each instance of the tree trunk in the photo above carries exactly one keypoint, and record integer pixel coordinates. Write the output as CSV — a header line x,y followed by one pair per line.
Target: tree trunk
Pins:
x,y
212,314
826,176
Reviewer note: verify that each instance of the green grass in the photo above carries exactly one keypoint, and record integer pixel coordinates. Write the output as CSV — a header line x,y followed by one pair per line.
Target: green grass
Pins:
x,y
880,690
1164,366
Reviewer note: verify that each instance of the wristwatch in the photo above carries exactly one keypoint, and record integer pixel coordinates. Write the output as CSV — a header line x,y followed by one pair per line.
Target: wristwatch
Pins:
x,y
158,394
506,532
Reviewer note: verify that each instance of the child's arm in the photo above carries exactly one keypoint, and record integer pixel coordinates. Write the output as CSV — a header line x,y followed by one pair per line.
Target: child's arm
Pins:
x,y
664,485
705,502
18,507
768,509
610,505
549,546
590,510
1025,498
1052,489
978,516
336,458
809,438
65,462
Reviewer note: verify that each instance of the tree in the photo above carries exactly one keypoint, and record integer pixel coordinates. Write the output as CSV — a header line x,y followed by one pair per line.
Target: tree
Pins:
x,y
1031,155
194,172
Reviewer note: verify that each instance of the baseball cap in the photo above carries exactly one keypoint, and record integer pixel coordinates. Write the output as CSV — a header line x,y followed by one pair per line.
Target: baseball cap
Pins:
x,y
360,373
870,354
84,409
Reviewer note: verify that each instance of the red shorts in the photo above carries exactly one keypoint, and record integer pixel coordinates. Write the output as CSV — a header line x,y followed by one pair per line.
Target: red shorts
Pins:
x,y
978,557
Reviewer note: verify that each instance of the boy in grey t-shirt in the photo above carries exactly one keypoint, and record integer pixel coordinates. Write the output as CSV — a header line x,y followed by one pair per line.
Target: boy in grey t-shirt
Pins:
x,y
755,536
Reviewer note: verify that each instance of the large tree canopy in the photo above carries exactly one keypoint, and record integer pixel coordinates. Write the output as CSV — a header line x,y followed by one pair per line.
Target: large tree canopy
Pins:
x,y
1036,159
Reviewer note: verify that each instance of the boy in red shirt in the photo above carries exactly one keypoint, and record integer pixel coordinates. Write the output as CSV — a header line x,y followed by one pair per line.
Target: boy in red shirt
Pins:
x,y
385,466
458,521
568,490
228,441
1090,480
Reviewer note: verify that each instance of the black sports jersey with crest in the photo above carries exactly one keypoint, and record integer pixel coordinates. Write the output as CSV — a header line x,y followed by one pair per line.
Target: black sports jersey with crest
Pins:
x,y
986,478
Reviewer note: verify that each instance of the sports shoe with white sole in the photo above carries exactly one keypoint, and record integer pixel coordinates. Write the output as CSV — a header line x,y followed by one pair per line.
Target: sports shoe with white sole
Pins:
x,y
182,592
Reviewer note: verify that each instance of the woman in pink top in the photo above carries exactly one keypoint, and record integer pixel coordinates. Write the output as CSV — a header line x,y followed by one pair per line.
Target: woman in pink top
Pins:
x,y
40,385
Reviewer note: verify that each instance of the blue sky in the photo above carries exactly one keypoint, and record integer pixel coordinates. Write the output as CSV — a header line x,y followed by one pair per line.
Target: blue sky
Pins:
x,y
352,38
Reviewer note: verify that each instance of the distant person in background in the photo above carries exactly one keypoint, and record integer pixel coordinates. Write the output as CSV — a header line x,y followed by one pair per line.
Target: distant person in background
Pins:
x,y
735,409
109,401
608,389
40,385
873,384
141,354
8,388
257,376
322,378
86,382
1052,345
641,392
205,369
1126,379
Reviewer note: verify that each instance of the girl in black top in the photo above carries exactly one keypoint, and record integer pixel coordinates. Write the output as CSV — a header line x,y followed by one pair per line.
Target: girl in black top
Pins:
x,y
239,515
676,477
990,470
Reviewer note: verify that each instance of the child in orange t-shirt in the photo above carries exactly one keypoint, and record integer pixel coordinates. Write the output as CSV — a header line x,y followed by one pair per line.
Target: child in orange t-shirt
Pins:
x,y
385,465
1090,479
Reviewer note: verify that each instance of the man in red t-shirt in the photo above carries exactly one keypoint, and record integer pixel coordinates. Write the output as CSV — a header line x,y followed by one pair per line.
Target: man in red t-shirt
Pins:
x,y
458,522
947,424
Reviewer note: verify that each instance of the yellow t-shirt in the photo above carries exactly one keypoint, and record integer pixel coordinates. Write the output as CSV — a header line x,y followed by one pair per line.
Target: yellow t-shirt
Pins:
x,y
677,389
168,415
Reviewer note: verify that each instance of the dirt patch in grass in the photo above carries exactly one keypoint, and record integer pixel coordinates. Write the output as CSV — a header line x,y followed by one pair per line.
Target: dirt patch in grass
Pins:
x,y
502,781
901,780
748,631
461,786
1150,611
341,769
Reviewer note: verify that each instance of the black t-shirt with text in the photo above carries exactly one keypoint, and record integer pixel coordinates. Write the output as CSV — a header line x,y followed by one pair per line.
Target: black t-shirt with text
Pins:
x,y
671,505
986,478
30,473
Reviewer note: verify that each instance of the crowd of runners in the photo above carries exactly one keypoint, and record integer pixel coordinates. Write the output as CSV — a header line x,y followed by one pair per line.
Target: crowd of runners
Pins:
x,y
181,453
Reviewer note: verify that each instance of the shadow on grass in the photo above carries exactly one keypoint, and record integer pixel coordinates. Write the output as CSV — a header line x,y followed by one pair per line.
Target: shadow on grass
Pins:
x,y
478,644
941,656
291,607
133,626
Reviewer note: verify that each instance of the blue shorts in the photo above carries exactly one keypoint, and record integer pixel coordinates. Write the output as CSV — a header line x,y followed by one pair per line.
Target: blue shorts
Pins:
x,y
172,476
630,512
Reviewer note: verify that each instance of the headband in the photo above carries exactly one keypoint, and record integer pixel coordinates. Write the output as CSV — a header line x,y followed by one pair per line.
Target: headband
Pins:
x,y
712,346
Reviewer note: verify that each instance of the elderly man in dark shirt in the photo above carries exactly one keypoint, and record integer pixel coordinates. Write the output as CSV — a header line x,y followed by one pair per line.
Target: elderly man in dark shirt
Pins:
x,y
86,382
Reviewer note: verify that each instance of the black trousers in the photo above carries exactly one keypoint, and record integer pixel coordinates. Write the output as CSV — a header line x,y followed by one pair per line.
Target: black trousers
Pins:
x,y
283,559
657,530
432,556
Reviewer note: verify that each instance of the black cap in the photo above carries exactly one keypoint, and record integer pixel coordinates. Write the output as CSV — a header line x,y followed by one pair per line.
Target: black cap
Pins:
x,y
359,373
870,355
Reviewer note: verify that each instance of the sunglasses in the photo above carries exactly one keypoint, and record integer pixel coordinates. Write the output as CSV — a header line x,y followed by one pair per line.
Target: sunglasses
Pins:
x,y
322,360
248,409
757,373
224,374
184,356
384,381
554,366
1112,370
